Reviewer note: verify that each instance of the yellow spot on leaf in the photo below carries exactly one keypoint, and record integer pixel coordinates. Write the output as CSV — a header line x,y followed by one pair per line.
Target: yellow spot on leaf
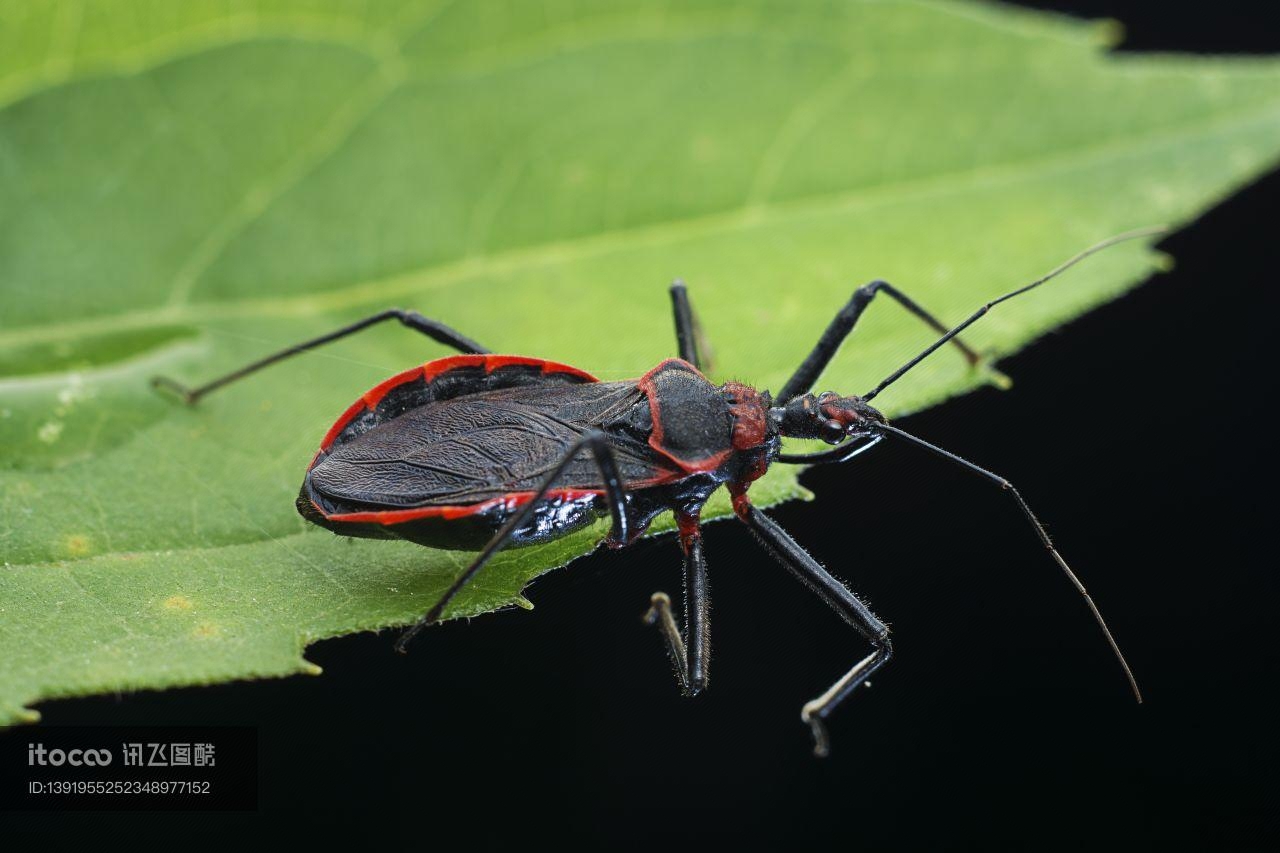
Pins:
x,y
77,545
206,631
177,602
50,432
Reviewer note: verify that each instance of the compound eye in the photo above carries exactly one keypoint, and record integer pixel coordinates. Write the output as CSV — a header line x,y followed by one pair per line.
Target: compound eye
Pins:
x,y
832,432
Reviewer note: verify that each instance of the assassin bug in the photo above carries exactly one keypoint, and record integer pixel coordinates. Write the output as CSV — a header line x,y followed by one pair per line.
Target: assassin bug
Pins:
x,y
480,452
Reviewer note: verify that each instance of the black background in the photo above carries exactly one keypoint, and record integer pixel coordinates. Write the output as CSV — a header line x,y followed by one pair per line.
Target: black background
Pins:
x,y
1141,433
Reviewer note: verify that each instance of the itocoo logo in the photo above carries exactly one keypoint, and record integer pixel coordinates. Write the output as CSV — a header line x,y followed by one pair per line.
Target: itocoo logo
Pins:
x,y
37,754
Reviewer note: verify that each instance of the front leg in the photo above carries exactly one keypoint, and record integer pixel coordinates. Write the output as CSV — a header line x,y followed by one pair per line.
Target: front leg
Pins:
x,y
690,649
808,372
839,598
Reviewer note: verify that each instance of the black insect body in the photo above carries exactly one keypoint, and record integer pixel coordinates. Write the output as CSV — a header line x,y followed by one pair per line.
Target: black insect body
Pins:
x,y
480,452
443,454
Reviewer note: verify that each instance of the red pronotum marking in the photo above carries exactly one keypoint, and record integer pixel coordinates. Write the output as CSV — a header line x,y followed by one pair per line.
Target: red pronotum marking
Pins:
x,y
645,384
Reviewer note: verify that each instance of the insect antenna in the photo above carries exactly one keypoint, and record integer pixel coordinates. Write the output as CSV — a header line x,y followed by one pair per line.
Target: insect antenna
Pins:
x,y
842,453
973,318
1040,532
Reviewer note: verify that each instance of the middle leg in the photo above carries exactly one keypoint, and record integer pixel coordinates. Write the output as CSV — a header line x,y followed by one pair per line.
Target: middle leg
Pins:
x,y
690,342
690,649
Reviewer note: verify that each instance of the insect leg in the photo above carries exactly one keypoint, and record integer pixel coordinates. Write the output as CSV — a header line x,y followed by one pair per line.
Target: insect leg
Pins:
x,y
811,368
838,597
594,442
436,331
691,648
690,342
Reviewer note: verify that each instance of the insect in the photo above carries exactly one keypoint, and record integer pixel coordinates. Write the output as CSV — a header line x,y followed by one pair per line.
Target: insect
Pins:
x,y
480,452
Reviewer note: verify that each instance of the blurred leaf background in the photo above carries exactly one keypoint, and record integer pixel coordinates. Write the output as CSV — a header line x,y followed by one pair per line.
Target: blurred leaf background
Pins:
x,y
186,186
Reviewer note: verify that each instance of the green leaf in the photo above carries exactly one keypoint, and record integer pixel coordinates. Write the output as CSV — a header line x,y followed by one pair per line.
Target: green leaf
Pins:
x,y
184,187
